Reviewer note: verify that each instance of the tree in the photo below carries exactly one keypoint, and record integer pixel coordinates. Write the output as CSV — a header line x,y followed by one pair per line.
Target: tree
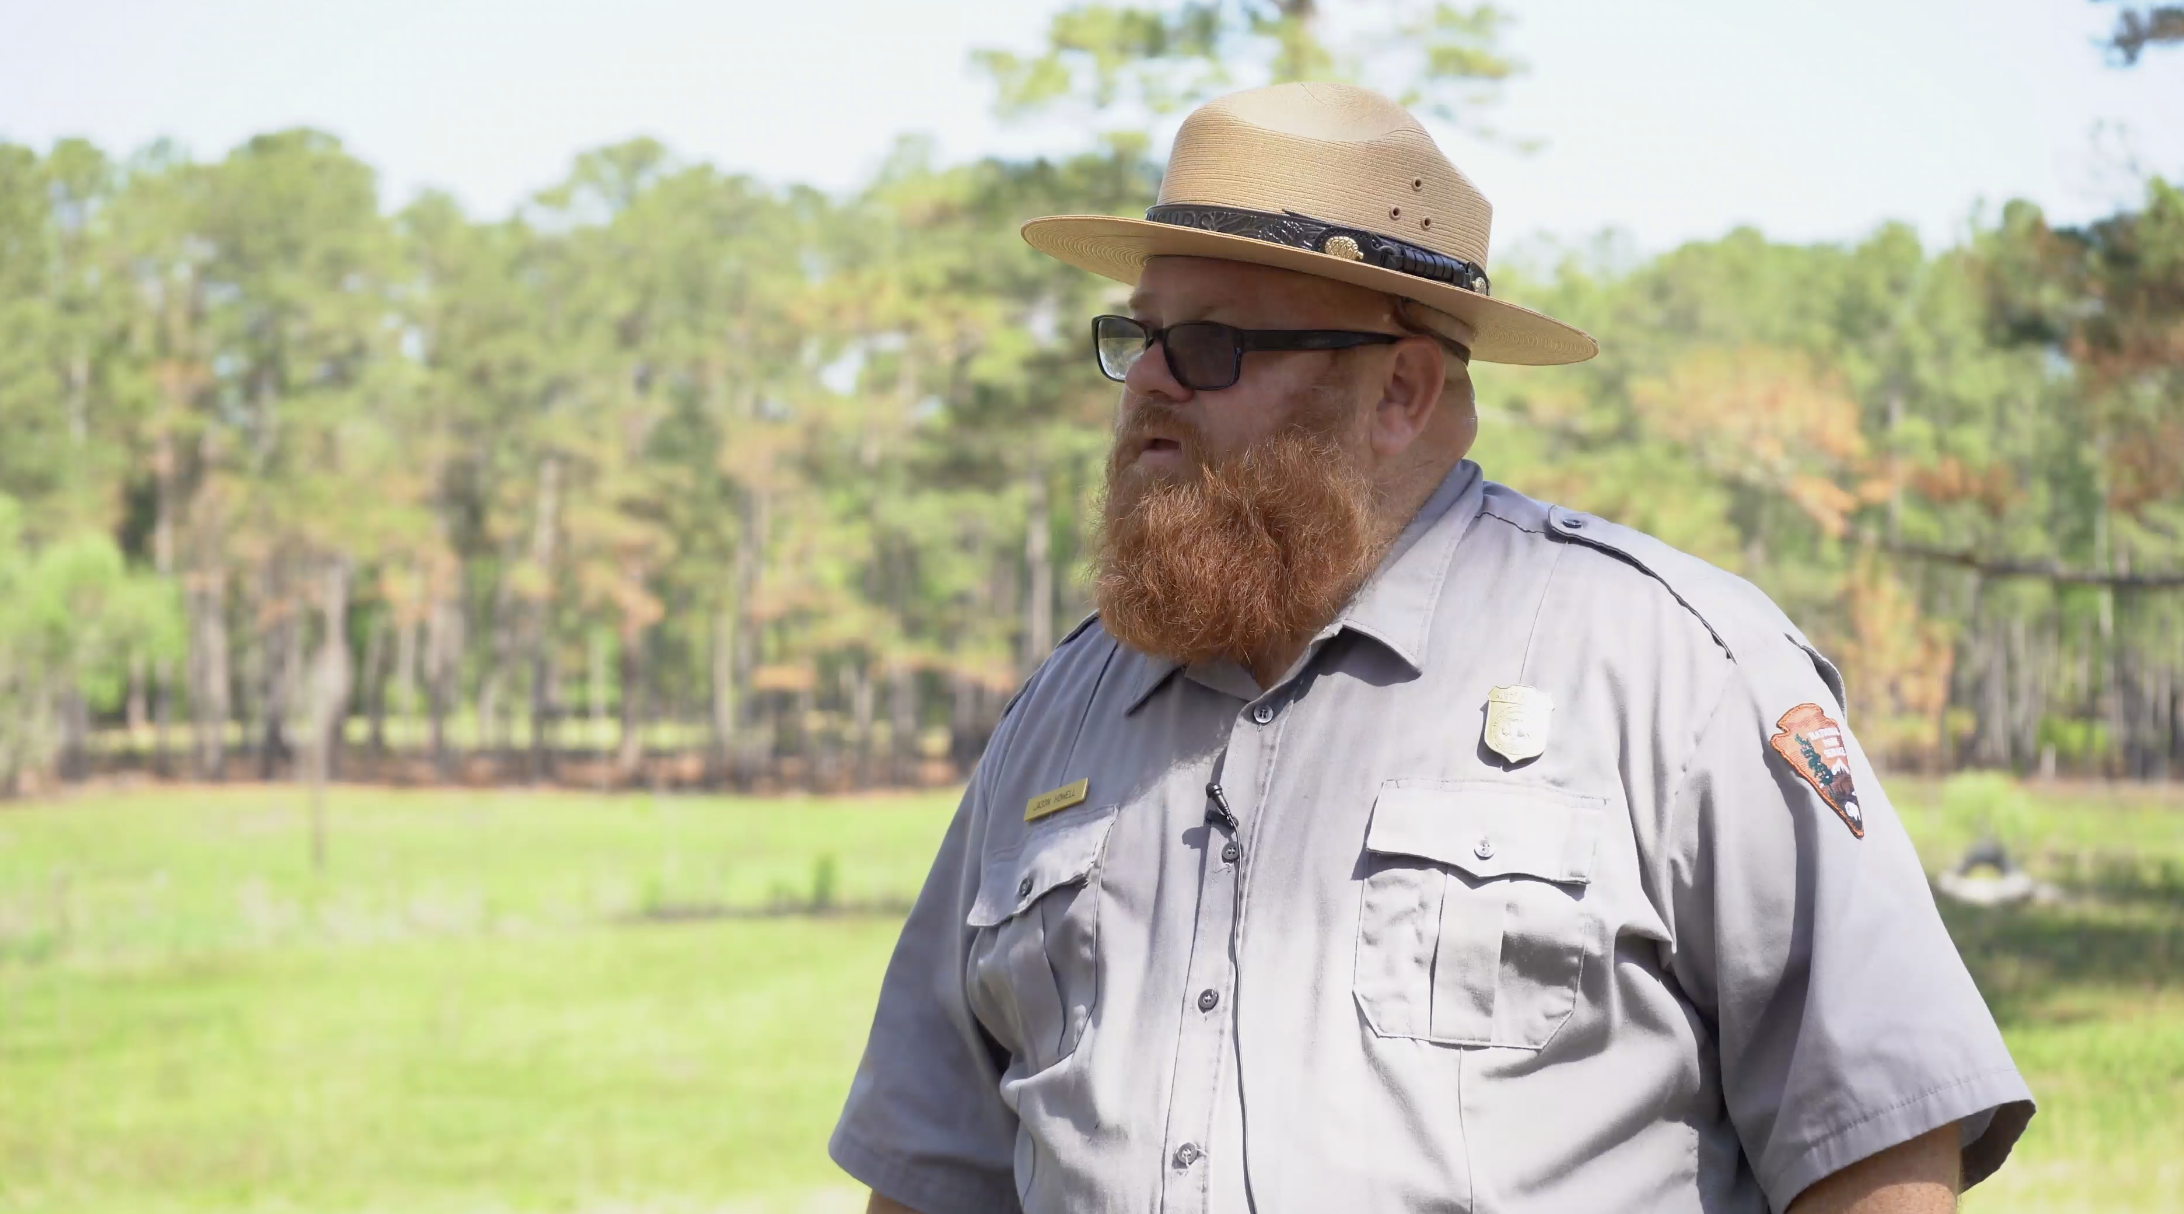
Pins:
x,y
2138,28
798,488
1143,61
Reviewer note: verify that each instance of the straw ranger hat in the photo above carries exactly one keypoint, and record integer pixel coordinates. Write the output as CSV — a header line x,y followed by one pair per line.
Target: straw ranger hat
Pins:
x,y
1332,180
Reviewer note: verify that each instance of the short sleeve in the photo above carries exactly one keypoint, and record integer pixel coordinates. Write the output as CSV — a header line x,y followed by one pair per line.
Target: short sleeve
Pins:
x,y
924,1123
1803,929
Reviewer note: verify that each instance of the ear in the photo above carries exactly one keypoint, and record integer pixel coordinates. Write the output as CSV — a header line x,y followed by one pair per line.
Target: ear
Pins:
x,y
1408,394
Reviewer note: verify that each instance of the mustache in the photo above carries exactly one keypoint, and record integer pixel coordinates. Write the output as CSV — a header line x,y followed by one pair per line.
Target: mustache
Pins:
x,y
1149,417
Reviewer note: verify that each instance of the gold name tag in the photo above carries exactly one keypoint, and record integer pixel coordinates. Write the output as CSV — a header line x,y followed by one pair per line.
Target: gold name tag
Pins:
x,y
1061,798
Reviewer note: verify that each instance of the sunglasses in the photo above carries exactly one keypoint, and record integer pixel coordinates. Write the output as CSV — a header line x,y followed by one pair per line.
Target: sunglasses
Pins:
x,y
1205,356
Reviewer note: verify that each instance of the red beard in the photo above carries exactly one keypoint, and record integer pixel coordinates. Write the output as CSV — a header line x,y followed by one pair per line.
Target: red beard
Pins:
x,y
1235,556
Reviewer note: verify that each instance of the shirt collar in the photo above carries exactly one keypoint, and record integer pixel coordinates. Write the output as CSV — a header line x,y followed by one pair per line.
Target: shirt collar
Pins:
x,y
1395,607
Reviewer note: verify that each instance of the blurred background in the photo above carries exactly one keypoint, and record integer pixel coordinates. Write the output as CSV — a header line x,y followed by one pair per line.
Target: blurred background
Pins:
x,y
516,520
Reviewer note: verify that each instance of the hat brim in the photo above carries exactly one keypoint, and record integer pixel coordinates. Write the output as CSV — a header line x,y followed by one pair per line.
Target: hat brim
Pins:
x,y
1116,247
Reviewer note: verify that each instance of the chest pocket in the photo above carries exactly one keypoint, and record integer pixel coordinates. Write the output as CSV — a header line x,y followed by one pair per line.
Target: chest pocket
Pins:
x,y
1033,974
1473,927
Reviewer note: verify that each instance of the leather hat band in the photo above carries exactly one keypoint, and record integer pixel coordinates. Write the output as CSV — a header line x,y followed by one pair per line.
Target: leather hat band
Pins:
x,y
1303,232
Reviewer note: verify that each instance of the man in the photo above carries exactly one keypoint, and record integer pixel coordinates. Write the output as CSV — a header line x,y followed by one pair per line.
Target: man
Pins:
x,y
1391,841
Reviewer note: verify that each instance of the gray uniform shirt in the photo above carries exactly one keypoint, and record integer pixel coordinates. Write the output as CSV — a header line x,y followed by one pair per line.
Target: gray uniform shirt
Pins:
x,y
1683,959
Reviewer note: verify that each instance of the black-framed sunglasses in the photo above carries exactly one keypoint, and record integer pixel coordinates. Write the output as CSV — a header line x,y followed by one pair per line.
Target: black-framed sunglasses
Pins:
x,y
1206,356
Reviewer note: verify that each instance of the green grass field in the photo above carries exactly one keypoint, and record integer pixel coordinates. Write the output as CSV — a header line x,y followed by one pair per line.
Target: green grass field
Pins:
x,y
504,1002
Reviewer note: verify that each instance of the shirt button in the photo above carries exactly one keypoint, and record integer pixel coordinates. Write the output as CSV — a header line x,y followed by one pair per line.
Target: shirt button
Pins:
x,y
1231,853
1484,850
1208,1000
1186,1155
1263,713
1023,887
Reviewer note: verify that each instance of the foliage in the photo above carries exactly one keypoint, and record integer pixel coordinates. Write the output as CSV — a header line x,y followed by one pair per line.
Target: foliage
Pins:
x,y
1957,471
73,621
2140,27
1126,62
671,445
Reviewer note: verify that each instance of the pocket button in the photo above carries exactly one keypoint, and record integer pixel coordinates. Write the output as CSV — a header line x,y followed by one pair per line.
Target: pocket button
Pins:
x,y
1023,887
1484,850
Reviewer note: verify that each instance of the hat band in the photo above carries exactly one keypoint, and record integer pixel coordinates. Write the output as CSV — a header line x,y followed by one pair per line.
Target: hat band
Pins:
x,y
1317,236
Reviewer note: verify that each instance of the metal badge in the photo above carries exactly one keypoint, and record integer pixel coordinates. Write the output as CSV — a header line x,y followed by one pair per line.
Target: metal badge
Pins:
x,y
1516,722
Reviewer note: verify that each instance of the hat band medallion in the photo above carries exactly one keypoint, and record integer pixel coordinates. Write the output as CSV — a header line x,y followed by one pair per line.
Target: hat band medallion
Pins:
x,y
1318,236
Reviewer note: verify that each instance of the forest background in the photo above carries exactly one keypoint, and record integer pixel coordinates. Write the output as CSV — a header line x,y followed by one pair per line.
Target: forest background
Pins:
x,y
673,476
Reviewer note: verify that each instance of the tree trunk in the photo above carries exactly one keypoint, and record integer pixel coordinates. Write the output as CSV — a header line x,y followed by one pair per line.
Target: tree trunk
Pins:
x,y
540,762
75,721
723,692
279,645
375,681
79,395
1895,458
860,708
489,702
545,526
963,742
268,691
295,672
208,661
632,749
805,705
405,667
443,667
163,565
134,711
162,711
2111,660
2176,721
329,709
750,569
1039,599
1994,696
598,690
902,720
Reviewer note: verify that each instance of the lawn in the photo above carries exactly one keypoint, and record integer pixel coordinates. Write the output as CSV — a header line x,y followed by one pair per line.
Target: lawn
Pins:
x,y
497,1001
556,1002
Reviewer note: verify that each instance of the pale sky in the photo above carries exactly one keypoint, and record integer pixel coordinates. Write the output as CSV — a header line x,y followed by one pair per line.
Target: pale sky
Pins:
x,y
1666,119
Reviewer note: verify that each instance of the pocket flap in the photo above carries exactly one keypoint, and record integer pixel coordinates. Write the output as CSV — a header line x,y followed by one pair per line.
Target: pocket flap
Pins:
x,y
1060,851
1489,830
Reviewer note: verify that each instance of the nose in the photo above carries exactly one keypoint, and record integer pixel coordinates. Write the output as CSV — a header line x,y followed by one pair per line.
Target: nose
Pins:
x,y
1150,376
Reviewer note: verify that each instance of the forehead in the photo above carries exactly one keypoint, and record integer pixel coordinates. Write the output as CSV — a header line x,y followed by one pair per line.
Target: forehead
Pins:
x,y
1174,289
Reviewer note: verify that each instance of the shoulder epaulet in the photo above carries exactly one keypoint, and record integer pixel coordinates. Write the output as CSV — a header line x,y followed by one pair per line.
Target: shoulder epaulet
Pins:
x,y
1067,637
1073,633
1747,624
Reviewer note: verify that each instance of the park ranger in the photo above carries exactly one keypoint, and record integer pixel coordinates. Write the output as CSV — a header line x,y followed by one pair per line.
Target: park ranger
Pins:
x,y
1390,840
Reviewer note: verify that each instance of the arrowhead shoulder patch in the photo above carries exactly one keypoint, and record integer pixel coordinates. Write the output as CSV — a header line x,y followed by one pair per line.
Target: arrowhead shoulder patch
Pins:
x,y
1814,746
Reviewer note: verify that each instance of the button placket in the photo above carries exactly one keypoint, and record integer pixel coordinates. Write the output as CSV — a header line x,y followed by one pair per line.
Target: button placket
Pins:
x,y
1204,1026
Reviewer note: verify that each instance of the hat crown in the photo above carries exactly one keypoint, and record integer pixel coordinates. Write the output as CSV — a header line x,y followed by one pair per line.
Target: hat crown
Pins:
x,y
1334,152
